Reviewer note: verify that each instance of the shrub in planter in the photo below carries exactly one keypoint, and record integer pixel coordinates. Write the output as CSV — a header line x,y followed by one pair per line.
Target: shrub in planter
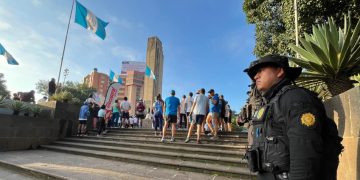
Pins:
x,y
63,96
16,106
35,109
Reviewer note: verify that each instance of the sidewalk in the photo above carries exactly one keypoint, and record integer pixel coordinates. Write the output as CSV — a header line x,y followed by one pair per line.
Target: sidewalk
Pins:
x,y
82,167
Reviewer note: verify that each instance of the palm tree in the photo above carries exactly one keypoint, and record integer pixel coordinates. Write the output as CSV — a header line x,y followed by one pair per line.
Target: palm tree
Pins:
x,y
330,57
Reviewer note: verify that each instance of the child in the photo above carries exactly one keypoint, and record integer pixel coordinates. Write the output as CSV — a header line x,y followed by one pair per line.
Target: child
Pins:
x,y
101,122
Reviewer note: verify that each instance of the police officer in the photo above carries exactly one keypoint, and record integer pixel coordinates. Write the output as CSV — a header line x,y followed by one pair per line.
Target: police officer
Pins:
x,y
287,129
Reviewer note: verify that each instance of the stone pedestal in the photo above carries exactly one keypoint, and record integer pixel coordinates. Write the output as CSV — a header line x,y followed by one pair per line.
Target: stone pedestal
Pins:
x,y
345,110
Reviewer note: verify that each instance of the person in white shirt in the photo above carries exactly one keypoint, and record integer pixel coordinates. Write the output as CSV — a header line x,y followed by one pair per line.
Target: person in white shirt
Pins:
x,y
189,102
183,107
125,108
101,126
199,109
227,118
90,99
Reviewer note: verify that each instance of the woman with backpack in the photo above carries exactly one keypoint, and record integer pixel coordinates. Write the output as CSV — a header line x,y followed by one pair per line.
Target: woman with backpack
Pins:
x,y
140,111
158,109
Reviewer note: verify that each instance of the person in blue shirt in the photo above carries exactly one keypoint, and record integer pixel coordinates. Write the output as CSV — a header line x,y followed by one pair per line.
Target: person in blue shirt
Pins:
x,y
172,108
213,116
158,109
83,116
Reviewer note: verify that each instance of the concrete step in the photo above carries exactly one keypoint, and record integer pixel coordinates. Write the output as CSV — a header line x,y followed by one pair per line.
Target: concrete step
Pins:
x,y
182,134
15,171
7,174
185,156
177,144
193,166
224,152
205,139
151,131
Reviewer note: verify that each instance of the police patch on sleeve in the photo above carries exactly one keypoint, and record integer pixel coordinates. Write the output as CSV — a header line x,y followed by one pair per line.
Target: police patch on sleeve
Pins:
x,y
307,119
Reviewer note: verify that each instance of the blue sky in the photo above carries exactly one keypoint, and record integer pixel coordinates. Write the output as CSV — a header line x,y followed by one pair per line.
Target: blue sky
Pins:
x,y
206,43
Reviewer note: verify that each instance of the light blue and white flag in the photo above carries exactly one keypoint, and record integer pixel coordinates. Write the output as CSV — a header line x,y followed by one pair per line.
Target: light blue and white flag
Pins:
x,y
149,73
8,57
118,79
111,75
88,20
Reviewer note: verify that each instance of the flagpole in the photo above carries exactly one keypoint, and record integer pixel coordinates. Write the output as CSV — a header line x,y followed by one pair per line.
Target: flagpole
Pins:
x,y
67,31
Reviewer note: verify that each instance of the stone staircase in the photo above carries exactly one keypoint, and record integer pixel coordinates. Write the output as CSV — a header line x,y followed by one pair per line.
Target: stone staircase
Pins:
x,y
131,154
222,157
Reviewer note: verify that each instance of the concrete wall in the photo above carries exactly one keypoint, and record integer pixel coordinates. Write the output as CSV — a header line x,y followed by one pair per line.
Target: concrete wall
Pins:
x,y
57,120
345,110
20,132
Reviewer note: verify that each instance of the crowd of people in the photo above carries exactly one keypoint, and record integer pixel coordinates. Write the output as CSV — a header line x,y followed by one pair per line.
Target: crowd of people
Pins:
x,y
117,117
209,114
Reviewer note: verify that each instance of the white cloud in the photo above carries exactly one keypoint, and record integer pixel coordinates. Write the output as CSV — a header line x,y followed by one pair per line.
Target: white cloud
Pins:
x,y
5,26
125,53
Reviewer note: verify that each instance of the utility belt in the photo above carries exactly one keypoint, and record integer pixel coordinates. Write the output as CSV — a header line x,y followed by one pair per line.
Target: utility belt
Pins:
x,y
255,165
257,161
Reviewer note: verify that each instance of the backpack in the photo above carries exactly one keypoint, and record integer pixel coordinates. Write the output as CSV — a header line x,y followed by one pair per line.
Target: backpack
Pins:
x,y
140,107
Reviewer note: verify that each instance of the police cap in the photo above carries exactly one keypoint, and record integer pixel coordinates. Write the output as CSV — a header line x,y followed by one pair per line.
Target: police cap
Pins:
x,y
273,60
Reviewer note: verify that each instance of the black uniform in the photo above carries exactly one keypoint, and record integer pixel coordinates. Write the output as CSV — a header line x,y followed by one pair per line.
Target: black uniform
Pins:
x,y
287,130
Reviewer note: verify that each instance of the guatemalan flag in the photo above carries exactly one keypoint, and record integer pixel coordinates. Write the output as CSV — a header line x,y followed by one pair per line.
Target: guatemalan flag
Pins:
x,y
8,57
149,73
114,78
88,20
111,75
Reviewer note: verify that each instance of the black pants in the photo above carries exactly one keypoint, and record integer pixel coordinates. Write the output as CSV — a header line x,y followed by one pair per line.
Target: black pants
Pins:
x,y
182,118
101,125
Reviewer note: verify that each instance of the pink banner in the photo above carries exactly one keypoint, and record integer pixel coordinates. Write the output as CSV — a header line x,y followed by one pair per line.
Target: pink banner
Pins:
x,y
111,95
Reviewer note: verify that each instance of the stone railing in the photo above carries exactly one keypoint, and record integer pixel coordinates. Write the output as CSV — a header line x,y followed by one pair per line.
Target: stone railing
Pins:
x,y
345,110
57,120
21,132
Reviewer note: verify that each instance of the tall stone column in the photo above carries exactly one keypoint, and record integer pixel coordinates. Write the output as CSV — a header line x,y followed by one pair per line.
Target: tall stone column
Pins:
x,y
155,60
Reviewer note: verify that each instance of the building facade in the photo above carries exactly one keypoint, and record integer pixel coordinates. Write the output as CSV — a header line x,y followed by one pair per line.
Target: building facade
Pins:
x,y
97,80
155,60
134,88
132,66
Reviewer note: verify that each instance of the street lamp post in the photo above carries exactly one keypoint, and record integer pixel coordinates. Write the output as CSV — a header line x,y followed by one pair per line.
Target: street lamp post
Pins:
x,y
296,26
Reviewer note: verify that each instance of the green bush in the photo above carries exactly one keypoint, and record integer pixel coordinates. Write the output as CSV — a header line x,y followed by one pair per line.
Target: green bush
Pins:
x,y
63,96
16,106
35,110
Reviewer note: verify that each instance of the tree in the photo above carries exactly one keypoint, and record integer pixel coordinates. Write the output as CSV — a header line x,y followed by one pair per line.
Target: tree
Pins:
x,y
3,90
78,92
330,56
274,20
42,87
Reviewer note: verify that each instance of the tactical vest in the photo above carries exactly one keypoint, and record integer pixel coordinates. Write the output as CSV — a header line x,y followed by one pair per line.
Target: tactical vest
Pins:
x,y
269,136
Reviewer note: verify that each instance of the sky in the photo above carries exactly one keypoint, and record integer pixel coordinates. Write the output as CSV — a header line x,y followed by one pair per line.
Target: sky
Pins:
x,y
206,43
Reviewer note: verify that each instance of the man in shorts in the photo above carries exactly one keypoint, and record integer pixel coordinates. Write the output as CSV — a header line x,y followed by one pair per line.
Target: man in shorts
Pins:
x,y
189,103
172,108
125,108
199,108
213,116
